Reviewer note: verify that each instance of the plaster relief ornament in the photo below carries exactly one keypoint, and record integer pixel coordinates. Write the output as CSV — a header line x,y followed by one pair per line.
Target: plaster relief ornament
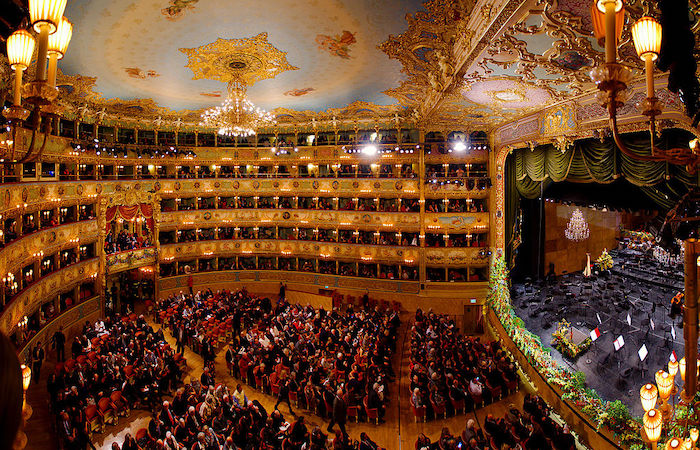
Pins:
x,y
248,60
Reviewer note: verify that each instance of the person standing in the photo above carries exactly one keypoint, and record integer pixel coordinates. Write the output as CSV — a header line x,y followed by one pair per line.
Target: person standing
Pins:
x,y
180,338
283,395
37,360
340,413
58,341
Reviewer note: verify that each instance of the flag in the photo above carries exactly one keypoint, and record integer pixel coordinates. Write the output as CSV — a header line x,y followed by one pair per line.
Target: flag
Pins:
x,y
673,357
598,316
619,343
629,319
595,334
651,324
673,333
643,352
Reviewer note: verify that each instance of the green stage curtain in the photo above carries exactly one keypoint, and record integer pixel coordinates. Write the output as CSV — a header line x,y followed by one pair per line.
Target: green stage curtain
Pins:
x,y
593,161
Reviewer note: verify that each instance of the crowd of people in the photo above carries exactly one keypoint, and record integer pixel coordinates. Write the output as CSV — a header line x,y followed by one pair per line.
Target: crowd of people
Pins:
x,y
451,372
312,354
208,417
529,428
115,365
125,240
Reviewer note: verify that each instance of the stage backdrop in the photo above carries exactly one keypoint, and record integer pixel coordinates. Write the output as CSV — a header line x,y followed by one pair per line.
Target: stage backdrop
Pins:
x,y
604,230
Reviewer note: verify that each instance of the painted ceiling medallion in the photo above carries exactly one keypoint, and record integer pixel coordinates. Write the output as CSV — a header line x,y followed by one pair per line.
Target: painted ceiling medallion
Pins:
x,y
508,96
506,93
249,60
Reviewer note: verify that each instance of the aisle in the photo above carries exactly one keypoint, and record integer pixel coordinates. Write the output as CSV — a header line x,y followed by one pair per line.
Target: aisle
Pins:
x,y
398,432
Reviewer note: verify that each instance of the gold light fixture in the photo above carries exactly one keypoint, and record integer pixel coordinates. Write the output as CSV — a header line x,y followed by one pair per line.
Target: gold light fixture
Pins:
x,y
648,395
26,376
612,79
237,116
55,31
652,422
20,48
58,44
681,366
598,17
45,16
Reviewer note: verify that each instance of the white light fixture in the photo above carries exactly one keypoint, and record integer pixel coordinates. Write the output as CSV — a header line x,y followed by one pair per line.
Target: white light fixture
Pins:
x,y
369,150
577,229
237,116
58,44
459,146
20,48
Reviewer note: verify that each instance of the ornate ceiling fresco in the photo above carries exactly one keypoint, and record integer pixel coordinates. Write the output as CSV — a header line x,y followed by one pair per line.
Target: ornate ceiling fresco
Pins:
x,y
332,63
323,53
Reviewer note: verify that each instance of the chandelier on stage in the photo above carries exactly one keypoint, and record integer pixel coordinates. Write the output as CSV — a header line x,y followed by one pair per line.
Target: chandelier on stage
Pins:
x,y
577,229
237,116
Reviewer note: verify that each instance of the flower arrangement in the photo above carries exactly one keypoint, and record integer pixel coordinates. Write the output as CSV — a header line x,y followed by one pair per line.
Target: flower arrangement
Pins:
x,y
605,261
563,340
614,415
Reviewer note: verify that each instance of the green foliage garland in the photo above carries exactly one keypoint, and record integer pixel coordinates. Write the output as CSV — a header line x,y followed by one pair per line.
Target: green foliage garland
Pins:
x,y
614,415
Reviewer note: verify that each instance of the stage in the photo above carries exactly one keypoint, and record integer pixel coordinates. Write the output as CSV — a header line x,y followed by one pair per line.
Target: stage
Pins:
x,y
638,286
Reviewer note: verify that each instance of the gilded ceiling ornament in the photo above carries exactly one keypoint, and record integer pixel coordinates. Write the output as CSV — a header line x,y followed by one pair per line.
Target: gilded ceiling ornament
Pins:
x,y
249,59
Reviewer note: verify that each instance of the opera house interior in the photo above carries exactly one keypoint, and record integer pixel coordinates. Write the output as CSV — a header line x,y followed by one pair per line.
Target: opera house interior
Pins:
x,y
349,224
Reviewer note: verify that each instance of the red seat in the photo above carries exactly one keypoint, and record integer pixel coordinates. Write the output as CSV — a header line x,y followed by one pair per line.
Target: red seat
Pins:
x,y
458,405
372,413
92,356
120,404
129,371
70,365
418,412
142,435
94,420
294,398
106,410
477,399
512,385
496,391
81,359
438,409
354,413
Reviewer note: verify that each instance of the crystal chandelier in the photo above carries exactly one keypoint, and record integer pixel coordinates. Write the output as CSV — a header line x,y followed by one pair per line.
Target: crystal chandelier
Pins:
x,y
237,116
577,229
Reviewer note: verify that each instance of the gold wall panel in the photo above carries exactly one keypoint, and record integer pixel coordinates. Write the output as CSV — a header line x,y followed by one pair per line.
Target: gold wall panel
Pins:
x,y
457,222
21,252
291,248
406,222
46,288
457,257
118,262
72,322
266,277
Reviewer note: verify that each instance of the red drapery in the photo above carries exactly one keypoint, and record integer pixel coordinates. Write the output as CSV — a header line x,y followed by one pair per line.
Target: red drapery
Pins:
x,y
129,213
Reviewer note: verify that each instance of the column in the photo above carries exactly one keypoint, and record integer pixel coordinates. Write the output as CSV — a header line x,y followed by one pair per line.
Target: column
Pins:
x,y
690,317
421,202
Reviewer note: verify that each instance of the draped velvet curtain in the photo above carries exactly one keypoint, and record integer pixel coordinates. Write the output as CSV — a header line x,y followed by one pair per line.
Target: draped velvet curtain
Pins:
x,y
530,172
130,213
592,161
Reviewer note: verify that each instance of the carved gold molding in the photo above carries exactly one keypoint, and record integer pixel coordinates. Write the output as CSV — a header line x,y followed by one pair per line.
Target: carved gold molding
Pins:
x,y
332,251
268,276
20,253
373,221
27,301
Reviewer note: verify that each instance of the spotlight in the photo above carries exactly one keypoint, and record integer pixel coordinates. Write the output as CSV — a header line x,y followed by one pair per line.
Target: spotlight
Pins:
x,y
369,150
459,146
